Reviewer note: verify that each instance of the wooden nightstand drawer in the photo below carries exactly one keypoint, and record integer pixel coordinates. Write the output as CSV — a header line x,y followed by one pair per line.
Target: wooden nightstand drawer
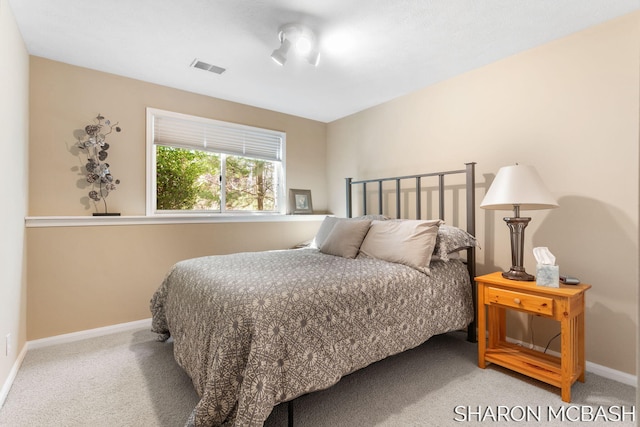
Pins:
x,y
519,300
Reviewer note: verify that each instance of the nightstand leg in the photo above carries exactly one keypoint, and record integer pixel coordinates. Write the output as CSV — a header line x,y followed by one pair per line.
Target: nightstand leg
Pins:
x,y
482,327
567,340
580,344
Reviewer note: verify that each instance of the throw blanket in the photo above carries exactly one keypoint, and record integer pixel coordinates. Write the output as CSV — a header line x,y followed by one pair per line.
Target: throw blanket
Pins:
x,y
256,329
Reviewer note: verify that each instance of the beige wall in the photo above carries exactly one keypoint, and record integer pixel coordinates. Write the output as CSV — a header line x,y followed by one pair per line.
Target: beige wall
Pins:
x,y
571,109
87,277
14,86
64,98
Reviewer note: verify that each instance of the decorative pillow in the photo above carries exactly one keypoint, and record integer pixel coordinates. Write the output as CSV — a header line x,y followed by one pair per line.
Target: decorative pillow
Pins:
x,y
452,239
409,242
345,238
330,221
324,230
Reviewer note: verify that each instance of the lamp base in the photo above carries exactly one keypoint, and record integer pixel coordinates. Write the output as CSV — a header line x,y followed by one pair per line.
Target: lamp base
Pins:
x,y
522,276
516,225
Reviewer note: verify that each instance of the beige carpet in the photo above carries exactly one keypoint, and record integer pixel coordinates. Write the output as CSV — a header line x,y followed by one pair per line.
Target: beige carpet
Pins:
x,y
129,379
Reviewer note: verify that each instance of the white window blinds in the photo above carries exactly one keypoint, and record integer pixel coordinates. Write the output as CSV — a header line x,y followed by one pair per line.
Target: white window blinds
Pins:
x,y
179,130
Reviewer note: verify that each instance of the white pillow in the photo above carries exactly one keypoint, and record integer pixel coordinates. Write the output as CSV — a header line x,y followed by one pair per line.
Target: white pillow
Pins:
x,y
408,242
345,238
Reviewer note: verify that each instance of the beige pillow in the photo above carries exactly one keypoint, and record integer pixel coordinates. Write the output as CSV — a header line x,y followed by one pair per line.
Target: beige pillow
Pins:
x,y
345,238
325,228
408,242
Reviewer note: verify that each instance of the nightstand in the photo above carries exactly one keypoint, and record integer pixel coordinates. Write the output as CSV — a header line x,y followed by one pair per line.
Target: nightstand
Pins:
x,y
564,304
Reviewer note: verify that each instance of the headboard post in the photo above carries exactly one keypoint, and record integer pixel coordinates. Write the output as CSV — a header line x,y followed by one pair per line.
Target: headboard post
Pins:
x,y
349,207
398,195
441,195
418,197
471,198
364,198
471,252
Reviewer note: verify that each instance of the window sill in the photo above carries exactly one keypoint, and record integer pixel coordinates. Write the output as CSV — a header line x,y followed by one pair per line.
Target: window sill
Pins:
x,y
92,221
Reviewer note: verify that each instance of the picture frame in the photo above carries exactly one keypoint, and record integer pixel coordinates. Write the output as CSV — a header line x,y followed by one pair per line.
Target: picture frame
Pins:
x,y
300,201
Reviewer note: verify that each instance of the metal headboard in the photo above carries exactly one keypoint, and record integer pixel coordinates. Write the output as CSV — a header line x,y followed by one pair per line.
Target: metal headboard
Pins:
x,y
470,202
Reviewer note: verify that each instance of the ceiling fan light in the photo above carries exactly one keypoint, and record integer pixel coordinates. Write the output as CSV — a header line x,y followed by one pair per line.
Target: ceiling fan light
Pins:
x,y
314,57
302,39
280,54
304,45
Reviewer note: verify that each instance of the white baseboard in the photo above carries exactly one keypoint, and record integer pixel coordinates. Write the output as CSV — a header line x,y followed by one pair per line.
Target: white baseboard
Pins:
x,y
89,333
612,374
603,371
12,376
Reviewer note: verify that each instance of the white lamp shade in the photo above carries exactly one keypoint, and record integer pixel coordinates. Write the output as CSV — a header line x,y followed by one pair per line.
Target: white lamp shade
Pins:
x,y
518,185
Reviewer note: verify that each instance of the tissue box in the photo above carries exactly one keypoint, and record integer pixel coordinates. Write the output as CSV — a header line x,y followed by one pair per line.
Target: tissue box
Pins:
x,y
548,275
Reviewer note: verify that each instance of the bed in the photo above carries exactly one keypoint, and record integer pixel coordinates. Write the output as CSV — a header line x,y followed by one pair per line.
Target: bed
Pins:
x,y
256,329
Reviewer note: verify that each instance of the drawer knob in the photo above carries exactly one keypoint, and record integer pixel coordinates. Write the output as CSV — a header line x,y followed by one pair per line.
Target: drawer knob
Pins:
x,y
516,300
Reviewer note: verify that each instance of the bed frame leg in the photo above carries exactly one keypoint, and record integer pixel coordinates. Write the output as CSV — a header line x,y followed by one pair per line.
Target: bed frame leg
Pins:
x,y
290,413
471,332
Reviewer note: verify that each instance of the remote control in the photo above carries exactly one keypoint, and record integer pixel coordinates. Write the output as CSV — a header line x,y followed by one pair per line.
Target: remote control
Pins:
x,y
569,280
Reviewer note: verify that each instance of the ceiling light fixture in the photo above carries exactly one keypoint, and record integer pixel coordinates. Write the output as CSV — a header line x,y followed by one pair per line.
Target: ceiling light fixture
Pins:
x,y
302,39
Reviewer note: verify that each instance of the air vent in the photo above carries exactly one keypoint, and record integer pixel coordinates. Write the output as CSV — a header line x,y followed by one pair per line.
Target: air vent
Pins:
x,y
207,67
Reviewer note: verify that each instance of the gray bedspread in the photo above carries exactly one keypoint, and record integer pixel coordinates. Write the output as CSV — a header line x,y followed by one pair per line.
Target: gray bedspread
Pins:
x,y
256,329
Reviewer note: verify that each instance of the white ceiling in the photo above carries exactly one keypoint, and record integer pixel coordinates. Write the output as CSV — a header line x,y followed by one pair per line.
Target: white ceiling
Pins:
x,y
372,50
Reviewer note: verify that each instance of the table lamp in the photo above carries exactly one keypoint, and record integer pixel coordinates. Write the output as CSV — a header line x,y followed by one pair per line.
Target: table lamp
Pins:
x,y
518,187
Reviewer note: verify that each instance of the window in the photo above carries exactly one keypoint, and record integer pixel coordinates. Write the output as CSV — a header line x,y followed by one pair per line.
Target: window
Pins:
x,y
199,165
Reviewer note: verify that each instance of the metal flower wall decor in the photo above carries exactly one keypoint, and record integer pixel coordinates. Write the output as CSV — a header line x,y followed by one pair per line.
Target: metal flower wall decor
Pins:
x,y
98,173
